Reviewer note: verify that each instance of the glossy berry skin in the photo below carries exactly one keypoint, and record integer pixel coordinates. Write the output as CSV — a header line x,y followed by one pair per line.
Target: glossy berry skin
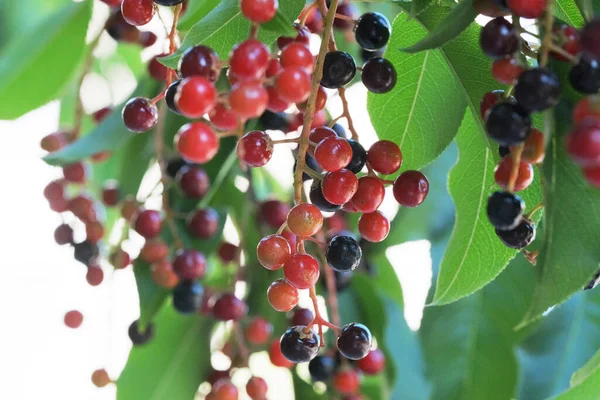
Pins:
x,y
137,12
156,70
507,70
229,308
248,99
259,11
527,8
316,197
297,54
592,175
277,358
140,337
373,31
140,115
385,157
223,118
499,39
301,270
567,38
302,316
249,60
94,275
148,223
189,264
187,297
338,70
339,187
110,193
200,61
170,96
519,237
255,148
224,389
589,37
163,274
299,346
257,388
305,220
73,319
507,124
411,188
168,3
259,331
373,363
273,212
197,142
374,227
359,156
369,195
100,378
583,143
318,134
273,251
354,341
228,252
282,295
489,100
321,368
204,223
537,89
585,76
195,96
346,381
276,103
534,149
333,153
379,75
505,210
320,103
75,173
343,253
504,170
193,181
293,84
63,234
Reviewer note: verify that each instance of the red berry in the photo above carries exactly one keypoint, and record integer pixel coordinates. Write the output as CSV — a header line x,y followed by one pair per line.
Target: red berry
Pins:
x,y
204,223
94,275
320,103
148,223
137,12
130,208
276,357
346,381
228,252
291,238
488,101
527,8
302,37
257,388
345,9
385,157
273,68
112,3
255,148
223,118
259,331
195,96
534,150
154,251
587,108
373,363
318,134
333,153
337,222
583,144
276,103
83,208
75,173
374,227
248,99
273,251
193,181
340,186
228,307
369,195
189,264
411,188
507,70
589,37
302,316
54,141
249,60
274,213
110,193
217,375
73,319
94,231
225,390
101,156
259,11
282,295
63,234
147,39
293,84
101,114
200,61
120,259
301,270
504,170
140,115
592,175
54,190
314,19
305,220
157,70
197,142
567,38
100,378
297,54
164,275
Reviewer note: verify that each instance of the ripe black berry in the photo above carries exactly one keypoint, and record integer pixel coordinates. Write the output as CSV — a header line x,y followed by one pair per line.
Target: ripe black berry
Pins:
x,y
378,75
359,157
508,124
537,89
321,368
343,253
591,284
310,163
187,297
585,76
354,341
299,346
505,210
498,38
140,337
338,70
174,165
274,121
168,2
341,131
140,115
519,237
85,252
170,96
503,151
316,197
373,31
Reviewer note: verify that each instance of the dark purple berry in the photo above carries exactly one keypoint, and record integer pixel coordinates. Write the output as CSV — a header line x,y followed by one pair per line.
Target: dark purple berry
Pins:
x,y
170,96
585,76
140,115
343,253
316,197
140,337
359,157
537,89
373,31
354,341
499,39
505,210
507,124
187,297
321,368
378,75
299,346
519,237
339,69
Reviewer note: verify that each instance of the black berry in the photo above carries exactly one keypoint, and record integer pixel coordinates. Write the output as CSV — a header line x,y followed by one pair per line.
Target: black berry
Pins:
x,y
274,121
591,284
299,346
498,38
379,75
85,251
187,297
168,2
321,368
174,165
373,31
585,76
366,55
170,96
343,253
589,37
508,124
341,131
359,157
139,337
503,151
338,70
519,237
354,341
505,210
537,89
139,114
316,197
310,163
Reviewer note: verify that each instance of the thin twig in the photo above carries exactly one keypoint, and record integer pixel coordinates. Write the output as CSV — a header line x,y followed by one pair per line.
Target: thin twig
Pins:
x,y
547,42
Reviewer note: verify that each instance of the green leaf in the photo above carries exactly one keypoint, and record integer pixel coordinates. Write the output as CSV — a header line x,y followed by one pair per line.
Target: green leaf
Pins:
x,y
568,11
426,88
195,12
587,370
456,22
224,26
586,382
281,24
304,390
173,364
587,8
40,63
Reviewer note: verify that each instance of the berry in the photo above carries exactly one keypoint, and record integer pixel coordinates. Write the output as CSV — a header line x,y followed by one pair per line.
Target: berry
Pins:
x,y
534,150
187,297
257,388
319,103
259,11
146,38
276,103
140,115
100,378
489,100
505,210
148,223
63,234
345,9
85,252
282,295
249,60
130,208
54,142
567,38
316,197
314,19
94,275
110,193
75,173
120,259
299,346
277,358
168,3
537,89
318,134
197,142
216,375
164,275
411,188
374,227
101,114
333,153
301,270
589,37
170,96
73,319
369,195
137,12
259,331
343,253
140,337
223,389
302,316
508,124
228,252
354,341
94,231
157,70
305,220
507,70
359,156
338,70
340,186
585,76
255,148
83,208
195,96
499,39
373,31
293,84
588,107
519,237
203,223
527,8
273,251
248,99
273,213
385,157
200,61
223,118
592,175
504,169
346,381
373,363
321,368
229,308
193,181
583,144
378,75
297,54
341,131
119,29
302,37
189,264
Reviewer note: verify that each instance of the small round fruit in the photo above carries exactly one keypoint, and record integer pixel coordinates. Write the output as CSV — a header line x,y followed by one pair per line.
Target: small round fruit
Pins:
x,y
156,70
303,36
140,115
94,231
374,227
164,275
305,220
373,363
54,142
203,223
379,75
321,368
299,346
583,144
148,223
189,264
273,213
193,181
519,237
338,70
499,39
170,96
567,38
333,153
527,8
354,341
503,172
316,197
505,210
507,70
223,118
100,378
63,234
140,336
255,148
340,186
585,76
224,389
249,60
592,175
282,295
537,89
94,275
85,252
197,142
369,195
508,124
373,31
302,316
489,100
277,358
187,297
297,54
385,157
534,149
110,193
589,37
227,307
293,84
587,108
248,99
273,251
343,253
259,331
75,172
73,319
411,188
120,259
137,12
259,11
359,156
195,96
346,381
301,270
200,61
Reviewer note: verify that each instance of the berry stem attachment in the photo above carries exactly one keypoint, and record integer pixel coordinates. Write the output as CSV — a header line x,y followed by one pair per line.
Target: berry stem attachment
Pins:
x,y
514,173
319,320
173,32
547,41
292,140
557,49
331,291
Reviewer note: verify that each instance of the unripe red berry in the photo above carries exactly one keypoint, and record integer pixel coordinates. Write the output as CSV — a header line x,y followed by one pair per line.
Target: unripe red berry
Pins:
x,y
373,363
259,331
101,114
55,190
189,264
587,108
228,307
73,319
193,181
137,12
130,208
139,115
83,208
305,220
228,252
249,60
63,234
200,61
527,8
157,70
534,149
567,38
583,143
164,275
333,153
94,231
75,173
257,388
203,223
154,251
148,223
225,390
297,54
273,251
369,195
282,295
54,141
276,103
385,157
340,186
94,275
255,148
195,96
223,118
318,134
346,381
301,270
273,212
507,70
120,259
293,84
248,99
504,170
592,175
100,378
110,193
374,227
277,358
411,188
197,142
320,103
259,11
